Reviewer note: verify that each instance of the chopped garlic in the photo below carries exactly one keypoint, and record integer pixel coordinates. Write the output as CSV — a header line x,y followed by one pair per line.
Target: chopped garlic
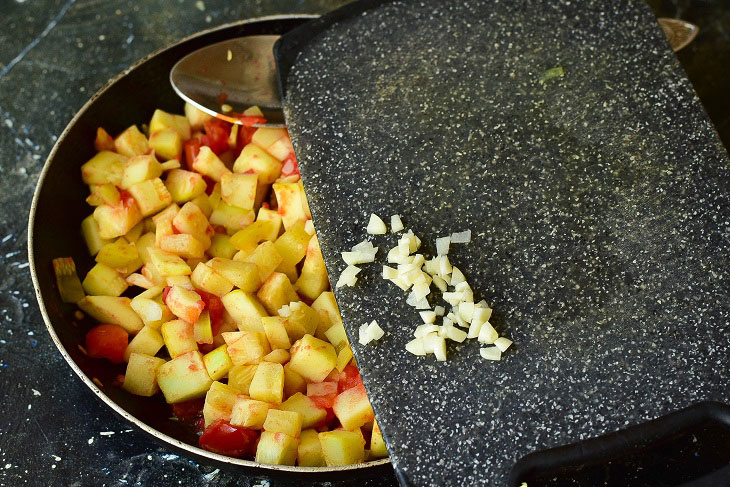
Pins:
x,y
457,277
416,347
396,224
348,276
487,334
439,310
440,283
404,246
480,314
389,273
375,331
354,258
474,329
284,311
442,245
439,349
365,246
429,340
414,241
502,343
461,237
370,332
398,281
490,353
423,304
462,286
395,257
376,226
428,316
309,227
466,310
444,266
425,329
421,291
455,334
363,335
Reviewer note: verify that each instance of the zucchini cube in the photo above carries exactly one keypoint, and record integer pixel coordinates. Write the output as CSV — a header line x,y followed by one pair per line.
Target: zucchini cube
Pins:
x,y
183,378
141,375
309,453
311,415
287,422
277,449
341,447
312,358
268,383
249,413
219,402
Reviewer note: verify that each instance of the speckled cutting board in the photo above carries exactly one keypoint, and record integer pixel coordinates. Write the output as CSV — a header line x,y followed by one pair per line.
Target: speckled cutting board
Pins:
x,y
599,205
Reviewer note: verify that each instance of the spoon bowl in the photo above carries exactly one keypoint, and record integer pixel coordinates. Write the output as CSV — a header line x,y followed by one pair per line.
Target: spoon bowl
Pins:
x,y
226,78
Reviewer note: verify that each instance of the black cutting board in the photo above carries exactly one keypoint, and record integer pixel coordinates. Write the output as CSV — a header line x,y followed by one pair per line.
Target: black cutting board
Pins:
x,y
599,206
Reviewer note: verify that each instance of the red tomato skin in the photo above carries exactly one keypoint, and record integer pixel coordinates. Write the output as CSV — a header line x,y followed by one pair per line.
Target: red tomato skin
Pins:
x,y
215,308
191,147
226,439
188,410
324,402
107,341
350,379
216,135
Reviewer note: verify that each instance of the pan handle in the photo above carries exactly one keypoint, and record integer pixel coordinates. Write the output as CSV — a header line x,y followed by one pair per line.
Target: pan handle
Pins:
x,y
294,41
599,451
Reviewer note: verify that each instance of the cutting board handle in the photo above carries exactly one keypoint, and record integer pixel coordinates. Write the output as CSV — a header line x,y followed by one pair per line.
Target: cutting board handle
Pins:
x,y
601,450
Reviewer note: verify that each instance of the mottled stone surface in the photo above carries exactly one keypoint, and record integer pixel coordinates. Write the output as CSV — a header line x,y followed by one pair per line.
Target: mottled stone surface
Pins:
x,y
599,205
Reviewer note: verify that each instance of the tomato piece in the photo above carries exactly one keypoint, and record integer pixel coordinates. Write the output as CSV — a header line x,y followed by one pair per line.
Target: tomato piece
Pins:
x,y
107,341
215,308
324,402
188,410
191,147
209,185
226,439
165,292
216,135
351,378
266,205
290,167
245,134
250,120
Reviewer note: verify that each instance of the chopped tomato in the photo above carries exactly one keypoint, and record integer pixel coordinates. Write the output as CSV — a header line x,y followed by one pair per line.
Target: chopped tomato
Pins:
x,y
245,134
165,292
226,439
216,135
214,305
191,147
324,402
107,341
290,167
351,378
209,185
188,410
251,120
266,205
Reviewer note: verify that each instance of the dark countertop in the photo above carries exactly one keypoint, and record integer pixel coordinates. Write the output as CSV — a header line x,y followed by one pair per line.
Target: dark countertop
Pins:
x,y
54,55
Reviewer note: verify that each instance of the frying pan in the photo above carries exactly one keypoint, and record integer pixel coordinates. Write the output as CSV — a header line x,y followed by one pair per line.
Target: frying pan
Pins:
x,y
53,231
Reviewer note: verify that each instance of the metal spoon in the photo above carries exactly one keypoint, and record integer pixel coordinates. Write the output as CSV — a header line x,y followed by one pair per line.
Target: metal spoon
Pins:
x,y
226,78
